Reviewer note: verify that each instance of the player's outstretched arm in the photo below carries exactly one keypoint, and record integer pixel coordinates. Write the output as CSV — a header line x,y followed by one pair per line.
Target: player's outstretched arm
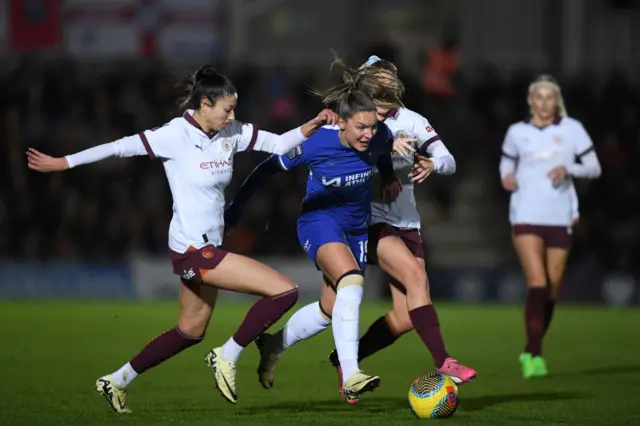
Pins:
x,y
281,144
126,147
391,185
258,177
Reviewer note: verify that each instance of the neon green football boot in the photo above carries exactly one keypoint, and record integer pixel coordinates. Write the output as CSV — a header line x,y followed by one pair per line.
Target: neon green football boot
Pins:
x,y
526,365
539,366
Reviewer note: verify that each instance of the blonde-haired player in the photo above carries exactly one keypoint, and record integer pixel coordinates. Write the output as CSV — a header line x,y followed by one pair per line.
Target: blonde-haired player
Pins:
x,y
395,243
540,158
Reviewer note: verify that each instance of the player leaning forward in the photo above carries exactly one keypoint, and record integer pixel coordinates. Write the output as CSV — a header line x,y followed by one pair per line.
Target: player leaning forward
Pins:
x,y
196,150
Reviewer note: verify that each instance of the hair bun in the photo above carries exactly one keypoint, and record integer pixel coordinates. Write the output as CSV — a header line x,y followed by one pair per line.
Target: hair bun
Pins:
x,y
203,72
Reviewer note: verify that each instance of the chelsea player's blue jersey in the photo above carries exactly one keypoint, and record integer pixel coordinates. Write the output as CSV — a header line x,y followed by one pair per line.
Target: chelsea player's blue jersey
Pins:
x,y
339,176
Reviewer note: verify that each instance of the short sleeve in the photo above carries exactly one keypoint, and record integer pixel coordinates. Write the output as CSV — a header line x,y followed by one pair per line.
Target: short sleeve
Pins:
x,y
295,157
509,147
247,136
160,142
582,140
425,133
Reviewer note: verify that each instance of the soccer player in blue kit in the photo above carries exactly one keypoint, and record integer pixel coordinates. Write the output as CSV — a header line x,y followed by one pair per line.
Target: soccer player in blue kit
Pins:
x,y
334,220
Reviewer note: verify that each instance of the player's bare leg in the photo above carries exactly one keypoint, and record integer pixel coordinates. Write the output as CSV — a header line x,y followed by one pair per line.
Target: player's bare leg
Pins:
x,y
531,252
409,273
242,274
340,267
196,305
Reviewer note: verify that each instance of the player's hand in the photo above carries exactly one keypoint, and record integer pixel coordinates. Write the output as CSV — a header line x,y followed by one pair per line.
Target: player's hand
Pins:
x,y
422,169
44,163
327,116
558,174
509,182
404,146
391,189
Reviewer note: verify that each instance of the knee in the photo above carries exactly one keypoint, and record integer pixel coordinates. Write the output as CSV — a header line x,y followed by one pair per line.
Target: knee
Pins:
x,y
279,286
414,280
192,329
193,323
288,298
351,279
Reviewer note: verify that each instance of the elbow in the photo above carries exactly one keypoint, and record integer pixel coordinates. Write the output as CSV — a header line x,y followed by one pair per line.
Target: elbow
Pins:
x,y
453,166
597,171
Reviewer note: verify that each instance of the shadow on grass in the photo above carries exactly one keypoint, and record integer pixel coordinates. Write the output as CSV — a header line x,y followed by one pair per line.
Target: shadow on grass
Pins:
x,y
376,405
620,369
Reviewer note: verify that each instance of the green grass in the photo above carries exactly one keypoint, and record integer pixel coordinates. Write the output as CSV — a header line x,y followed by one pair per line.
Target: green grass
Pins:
x,y
51,354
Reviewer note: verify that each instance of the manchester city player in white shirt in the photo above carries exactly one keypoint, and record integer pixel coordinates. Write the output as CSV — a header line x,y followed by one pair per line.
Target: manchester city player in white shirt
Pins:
x,y
395,243
539,163
197,150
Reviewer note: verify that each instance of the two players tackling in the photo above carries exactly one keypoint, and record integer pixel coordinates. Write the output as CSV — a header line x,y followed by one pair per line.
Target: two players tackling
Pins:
x,y
393,241
538,165
207,133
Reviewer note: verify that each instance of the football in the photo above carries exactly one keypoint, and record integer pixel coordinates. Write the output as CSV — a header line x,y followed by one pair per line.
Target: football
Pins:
x,y
433,396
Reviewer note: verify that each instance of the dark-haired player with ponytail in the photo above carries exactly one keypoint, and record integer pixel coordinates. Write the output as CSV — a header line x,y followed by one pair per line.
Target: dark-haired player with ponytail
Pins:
x,y
333,223
197,152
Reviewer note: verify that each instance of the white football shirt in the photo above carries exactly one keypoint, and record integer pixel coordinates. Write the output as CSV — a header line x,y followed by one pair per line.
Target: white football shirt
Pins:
x,y
402,212
531,153
198,166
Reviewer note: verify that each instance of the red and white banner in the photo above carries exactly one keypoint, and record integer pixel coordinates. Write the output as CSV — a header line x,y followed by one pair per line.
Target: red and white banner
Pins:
x,y
33,24
172,29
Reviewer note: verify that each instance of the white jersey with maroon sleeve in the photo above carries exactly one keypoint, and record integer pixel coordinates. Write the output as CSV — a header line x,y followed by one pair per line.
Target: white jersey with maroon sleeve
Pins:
x,y
402,212
198,166
531,153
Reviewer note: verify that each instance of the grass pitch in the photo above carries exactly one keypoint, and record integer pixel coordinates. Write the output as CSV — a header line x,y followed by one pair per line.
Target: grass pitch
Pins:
x,y
52,352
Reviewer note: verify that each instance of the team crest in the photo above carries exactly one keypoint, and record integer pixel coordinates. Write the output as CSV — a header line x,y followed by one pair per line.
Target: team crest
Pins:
x,y
429,129
558,139
208,253
294,153
226,144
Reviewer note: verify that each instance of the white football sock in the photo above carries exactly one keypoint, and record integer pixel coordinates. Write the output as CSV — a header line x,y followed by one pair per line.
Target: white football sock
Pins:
x,y
346,316
231,350
124,376
305,323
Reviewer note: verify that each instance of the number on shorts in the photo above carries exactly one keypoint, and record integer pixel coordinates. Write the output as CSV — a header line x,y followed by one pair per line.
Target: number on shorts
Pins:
x,y
363,250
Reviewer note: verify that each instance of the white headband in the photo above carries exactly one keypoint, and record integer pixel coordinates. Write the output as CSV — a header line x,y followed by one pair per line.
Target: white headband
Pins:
x,y
551,84
372,60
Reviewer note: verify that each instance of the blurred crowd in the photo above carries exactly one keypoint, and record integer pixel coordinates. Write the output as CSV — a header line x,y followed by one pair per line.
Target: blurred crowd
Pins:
x,y
107,211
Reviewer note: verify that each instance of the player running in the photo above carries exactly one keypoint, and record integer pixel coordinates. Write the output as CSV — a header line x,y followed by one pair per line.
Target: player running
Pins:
x,y
395,243
538,167
197,152
333,223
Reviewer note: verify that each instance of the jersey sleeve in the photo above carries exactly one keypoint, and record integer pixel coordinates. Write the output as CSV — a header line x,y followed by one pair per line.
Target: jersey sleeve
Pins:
x,y
129,146
589,166
425,133
295,157
252,139
160,142
385,163
581,140
509,154
247,136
